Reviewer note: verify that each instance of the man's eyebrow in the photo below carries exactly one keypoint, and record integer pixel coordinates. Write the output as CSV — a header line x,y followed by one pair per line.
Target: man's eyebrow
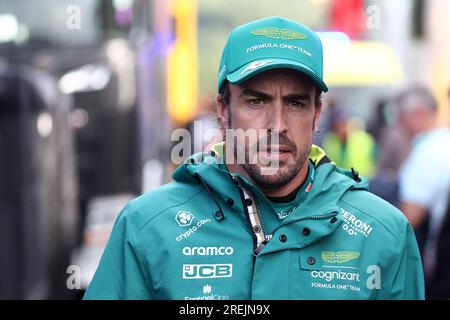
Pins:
x,y
296,96
255,93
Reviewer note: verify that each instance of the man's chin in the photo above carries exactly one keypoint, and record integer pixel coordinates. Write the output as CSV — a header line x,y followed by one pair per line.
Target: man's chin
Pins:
x,y
275,171
274,158
271,182
271,177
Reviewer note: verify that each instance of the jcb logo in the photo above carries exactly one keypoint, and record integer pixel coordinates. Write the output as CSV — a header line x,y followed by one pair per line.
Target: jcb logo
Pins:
x,y
202,271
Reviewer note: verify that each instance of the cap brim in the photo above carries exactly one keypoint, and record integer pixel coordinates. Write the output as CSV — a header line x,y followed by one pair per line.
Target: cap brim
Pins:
x,y
253,68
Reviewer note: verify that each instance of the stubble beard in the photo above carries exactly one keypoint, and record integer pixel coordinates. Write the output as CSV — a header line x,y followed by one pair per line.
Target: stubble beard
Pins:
x,y
283,175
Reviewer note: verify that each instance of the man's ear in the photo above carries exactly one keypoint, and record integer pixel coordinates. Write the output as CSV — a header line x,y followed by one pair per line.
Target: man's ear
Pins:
x,y
222,112
318,113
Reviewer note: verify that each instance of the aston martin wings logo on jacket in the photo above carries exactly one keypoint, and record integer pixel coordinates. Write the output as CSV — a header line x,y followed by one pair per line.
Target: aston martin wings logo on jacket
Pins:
x,y
339,256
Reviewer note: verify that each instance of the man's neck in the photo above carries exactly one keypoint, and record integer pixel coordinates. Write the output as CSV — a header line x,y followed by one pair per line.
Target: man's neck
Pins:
x,y
425,130
279,192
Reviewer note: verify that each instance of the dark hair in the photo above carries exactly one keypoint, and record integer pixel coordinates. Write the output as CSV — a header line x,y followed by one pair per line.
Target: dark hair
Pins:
x,y
225,93
416,96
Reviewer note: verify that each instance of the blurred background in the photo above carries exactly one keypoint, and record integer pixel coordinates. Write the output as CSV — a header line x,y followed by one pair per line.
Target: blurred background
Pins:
x,y
91,91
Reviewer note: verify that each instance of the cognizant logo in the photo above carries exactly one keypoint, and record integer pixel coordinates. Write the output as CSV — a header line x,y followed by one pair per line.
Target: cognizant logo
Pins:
x,y
335,275
208,251
192,229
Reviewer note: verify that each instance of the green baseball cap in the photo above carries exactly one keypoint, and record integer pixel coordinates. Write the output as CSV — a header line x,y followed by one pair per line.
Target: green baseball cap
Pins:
x,y
271,43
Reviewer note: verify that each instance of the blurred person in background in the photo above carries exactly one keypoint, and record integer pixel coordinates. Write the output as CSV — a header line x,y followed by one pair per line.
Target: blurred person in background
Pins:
x,y
348,144
393,143
425,175
392,138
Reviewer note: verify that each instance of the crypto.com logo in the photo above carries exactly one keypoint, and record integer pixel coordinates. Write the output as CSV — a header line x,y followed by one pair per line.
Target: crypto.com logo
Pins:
x,y
184,218
242,147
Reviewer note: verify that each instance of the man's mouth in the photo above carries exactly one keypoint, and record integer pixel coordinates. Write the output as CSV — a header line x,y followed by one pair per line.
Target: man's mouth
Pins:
x,y
277,149
278,152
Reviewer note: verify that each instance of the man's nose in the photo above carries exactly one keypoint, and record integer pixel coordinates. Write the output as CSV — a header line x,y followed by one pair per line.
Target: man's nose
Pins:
x,y
277,117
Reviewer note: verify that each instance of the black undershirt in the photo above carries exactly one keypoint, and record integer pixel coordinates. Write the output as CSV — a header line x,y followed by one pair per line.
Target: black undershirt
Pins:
x,y
291,196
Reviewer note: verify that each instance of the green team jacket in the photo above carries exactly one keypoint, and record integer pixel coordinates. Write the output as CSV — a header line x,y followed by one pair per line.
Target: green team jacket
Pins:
x,y
211,234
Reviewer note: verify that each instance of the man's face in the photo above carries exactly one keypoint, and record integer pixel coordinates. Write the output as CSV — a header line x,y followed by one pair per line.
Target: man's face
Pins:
x,y
340,128
415,119
283,102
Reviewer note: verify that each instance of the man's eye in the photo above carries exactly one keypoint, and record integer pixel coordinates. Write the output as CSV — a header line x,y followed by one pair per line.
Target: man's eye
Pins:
x,y
295,103
255,102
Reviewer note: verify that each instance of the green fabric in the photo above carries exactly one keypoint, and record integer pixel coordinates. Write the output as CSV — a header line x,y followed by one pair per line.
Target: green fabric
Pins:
x,y
271,43
358,152
170,243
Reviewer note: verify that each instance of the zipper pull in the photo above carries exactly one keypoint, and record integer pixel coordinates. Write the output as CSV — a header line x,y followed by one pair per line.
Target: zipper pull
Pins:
x,y
260,247
235,180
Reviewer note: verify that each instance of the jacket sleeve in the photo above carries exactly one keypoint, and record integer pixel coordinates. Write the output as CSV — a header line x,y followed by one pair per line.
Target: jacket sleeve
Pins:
x,y
120,274
404,279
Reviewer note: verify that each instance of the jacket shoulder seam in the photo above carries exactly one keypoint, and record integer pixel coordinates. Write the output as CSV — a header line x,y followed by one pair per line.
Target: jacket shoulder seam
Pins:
x,y
139,228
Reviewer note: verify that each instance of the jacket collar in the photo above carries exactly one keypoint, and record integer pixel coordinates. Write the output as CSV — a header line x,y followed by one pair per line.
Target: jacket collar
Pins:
x,y
330,182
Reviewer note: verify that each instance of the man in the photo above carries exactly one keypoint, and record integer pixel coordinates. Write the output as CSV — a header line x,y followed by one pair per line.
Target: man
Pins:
x,y
348,145
425,176
290,225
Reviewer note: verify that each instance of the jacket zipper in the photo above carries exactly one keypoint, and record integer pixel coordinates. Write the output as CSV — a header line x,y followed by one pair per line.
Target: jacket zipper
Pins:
x,y
241,193
315,217
256,248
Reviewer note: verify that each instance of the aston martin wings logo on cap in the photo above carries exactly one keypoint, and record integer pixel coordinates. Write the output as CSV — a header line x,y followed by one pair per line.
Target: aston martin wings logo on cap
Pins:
x,y
275,33
338,256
